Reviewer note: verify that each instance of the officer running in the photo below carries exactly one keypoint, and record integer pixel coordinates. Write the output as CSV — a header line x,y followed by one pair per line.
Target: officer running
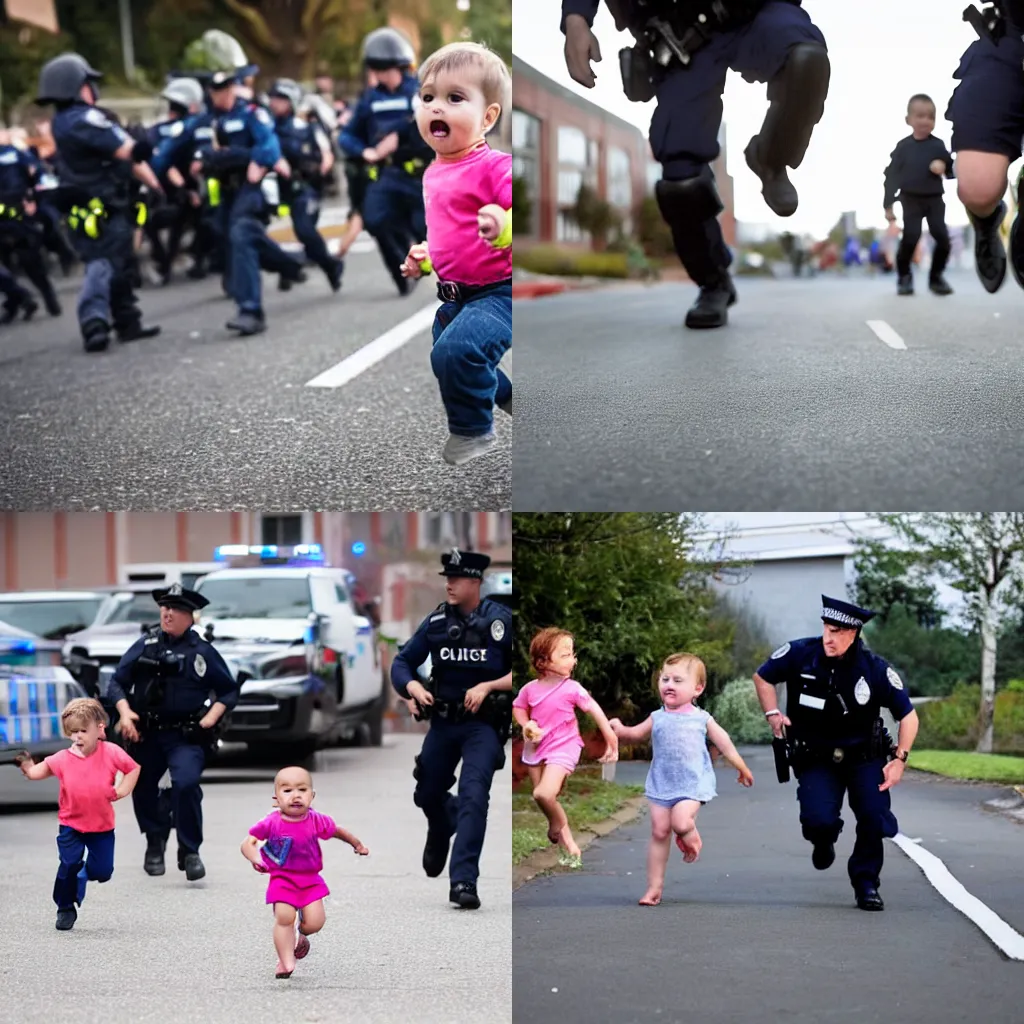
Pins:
x,y
469,704
681,57
162,691
383,133
835,688
96,161
309,165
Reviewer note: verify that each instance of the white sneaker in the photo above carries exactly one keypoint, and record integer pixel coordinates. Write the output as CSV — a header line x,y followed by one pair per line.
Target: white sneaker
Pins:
x,y
459,450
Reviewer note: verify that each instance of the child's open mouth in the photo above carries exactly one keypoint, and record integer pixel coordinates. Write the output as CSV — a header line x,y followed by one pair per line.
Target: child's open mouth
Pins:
x,y
439,130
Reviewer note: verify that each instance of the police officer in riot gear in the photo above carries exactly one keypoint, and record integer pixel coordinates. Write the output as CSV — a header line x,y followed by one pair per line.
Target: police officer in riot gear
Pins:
x,y
835,689
96,160
171,689
469,704
383,133
682,54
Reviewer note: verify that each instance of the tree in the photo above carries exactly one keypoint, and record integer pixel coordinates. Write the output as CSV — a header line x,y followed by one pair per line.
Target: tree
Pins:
x,y
623,585
594,215
979,554
522,207
888,577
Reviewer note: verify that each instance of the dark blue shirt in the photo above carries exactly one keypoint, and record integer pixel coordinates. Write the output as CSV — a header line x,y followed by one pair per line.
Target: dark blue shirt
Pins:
x,y
298,140
247,130
200,671
86,141
483,651
189,140
381,112
17,174
588,9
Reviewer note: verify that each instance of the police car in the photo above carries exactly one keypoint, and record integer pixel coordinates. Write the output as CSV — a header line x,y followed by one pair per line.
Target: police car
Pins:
x,y
51,614
284,622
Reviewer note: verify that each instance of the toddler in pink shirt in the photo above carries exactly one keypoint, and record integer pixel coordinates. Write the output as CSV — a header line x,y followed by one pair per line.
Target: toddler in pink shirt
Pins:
x,y
86,771
546,710
290,854
467,195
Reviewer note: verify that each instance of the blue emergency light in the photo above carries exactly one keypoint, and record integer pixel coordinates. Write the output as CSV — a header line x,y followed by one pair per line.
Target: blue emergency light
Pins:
x,y
10,645
307,552
359,549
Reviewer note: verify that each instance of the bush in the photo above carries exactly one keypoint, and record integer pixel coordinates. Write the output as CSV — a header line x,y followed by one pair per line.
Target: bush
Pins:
x,y
545,259
952,723
738,711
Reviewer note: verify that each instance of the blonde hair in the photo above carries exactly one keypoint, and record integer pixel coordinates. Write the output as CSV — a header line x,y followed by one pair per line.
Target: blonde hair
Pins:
x,y
686,661
80,712
495,80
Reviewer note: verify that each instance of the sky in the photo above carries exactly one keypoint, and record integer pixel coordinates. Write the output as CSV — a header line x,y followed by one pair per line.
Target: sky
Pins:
x,y
881,54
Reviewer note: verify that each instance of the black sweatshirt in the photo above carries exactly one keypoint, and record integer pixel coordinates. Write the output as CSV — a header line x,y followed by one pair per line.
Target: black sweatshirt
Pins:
x,y
908,168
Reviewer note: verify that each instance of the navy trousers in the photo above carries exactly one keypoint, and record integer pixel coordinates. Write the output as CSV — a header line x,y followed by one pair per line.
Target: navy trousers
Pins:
x,y
156,753
393,213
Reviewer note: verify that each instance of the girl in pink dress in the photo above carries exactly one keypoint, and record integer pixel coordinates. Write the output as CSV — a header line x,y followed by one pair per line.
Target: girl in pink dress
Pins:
x,y
546,710
291,855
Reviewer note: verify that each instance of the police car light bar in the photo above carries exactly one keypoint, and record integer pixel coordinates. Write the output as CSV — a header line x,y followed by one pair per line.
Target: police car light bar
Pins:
x,y
275,552
17,646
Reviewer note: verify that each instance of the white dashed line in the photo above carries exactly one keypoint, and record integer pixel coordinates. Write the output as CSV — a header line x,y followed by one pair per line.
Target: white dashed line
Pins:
x,y
378,349
998,931
886,334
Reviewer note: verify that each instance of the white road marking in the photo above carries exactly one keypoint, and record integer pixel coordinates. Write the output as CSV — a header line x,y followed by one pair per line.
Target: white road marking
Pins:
x,y
886,334
378,349
998,931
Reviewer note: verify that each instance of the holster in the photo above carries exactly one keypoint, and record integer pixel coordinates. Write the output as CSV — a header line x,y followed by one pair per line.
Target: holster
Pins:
x,y
637,69
780,748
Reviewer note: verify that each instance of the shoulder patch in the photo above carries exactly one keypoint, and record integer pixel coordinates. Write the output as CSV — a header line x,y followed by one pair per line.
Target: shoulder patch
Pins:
x,y
498,630
176,129
781,652
435,618
894,678
262,116
97,118
297,122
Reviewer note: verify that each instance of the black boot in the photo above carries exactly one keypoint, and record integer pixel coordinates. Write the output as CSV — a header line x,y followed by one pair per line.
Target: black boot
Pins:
x,y
193,867
823,856
284,284
334,272
247,323
66,918
905,285
464,895
435,853
989,254
154,862
711,308
868,898
939,285
137,333
96,335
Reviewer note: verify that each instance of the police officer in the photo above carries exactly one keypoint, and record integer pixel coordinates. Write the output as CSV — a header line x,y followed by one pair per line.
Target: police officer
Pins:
x,y
16,299
309,165
162,691
96,160
469,706
987,111
835,688
247,149
383,133
682,60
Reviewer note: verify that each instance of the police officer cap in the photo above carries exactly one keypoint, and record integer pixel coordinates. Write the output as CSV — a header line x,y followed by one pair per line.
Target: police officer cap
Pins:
x,y
843,614
222,79
177,596
61,78
186,92
289,90
387,48
464,563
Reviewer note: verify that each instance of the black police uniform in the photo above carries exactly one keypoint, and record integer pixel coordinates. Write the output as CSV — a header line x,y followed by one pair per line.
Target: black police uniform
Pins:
x,y
16,299
170,701
771,41
465,650
837,743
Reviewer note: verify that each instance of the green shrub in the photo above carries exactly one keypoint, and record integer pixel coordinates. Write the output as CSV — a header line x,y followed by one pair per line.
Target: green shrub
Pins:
x,y
549,259
952,723
738,711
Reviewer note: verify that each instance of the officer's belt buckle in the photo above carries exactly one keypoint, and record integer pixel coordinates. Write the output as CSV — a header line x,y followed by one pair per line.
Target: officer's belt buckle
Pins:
x,y
838,754
449,291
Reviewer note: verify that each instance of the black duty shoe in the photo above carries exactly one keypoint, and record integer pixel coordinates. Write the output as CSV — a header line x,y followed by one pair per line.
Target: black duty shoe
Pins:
x,y
335,273
95,335
194,867
778,191
905,285
154,862
66,918
823,855
197,272
137,333
284,284
464,895
989,254
53,307
868,899
247,323
940,286
435,853
711,308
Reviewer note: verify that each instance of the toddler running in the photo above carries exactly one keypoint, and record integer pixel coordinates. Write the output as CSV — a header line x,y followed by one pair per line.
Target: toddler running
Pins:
x,y
681,778
546,710
291,855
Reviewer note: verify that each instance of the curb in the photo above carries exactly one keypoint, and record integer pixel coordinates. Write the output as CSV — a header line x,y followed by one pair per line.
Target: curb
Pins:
x,y
546,861
537,289
1010,805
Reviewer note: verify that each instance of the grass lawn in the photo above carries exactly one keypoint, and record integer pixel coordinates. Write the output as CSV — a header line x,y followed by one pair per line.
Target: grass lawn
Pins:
x,y
586,800
964,764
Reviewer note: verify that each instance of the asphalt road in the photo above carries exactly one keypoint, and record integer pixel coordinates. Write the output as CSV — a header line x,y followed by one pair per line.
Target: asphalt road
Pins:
x,y
752,932
199,418
165,950
797,403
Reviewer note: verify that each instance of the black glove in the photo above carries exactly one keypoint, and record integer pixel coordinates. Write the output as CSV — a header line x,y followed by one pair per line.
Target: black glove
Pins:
x,y
141,151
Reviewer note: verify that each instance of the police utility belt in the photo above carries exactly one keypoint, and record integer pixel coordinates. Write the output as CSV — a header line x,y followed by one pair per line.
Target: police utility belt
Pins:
x,y
667,39
414,167
91,218
798,753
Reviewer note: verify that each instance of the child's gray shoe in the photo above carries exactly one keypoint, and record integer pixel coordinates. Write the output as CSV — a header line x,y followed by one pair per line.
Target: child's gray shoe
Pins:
x,y
459,449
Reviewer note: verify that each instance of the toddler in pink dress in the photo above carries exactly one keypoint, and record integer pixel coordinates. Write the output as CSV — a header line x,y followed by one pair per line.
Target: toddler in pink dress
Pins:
x,y
291,855
546,710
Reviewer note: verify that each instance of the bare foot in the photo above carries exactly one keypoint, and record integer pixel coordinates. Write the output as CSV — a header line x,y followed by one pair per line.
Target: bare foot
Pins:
x,y
566,839
689,845
553,835
651,898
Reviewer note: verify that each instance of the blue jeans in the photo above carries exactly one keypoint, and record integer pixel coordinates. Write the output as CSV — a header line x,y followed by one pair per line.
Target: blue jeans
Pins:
x,y
470,339
75,869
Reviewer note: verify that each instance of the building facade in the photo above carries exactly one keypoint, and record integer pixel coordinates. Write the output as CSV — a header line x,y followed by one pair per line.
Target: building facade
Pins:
x,y
561,141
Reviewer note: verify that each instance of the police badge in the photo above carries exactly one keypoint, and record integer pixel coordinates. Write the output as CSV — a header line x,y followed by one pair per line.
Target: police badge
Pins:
x,y
498,629
200,664
894,679
862,692
780,652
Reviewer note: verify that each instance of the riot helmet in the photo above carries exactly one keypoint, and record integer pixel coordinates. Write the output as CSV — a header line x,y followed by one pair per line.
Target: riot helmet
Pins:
x,y
387,48
61,79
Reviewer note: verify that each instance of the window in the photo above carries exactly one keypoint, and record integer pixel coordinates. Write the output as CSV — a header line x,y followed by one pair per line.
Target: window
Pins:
x,y
450,529
281,529
526,159
504,527
260,597
577,166
620,178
